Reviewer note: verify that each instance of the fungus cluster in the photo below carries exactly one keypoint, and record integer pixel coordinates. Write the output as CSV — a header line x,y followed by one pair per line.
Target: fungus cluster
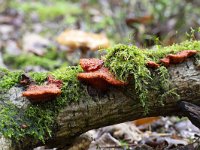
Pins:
x,y
172,59
97,75
177,58
42,93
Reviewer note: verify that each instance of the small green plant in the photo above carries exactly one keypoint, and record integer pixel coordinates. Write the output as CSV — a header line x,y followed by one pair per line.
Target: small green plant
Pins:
x,y
124,145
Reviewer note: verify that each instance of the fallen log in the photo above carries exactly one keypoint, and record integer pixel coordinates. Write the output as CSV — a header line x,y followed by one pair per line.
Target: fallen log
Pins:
x,y
95,109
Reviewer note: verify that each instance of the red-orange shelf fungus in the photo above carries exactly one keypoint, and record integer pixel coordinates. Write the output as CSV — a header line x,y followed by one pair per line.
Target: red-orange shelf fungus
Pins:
x,y
99,77
177,58
91,64
52,80
152,64
36,93
165,61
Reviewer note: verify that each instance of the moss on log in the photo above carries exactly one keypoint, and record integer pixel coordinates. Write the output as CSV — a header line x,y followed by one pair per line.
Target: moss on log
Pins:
x,y
81,108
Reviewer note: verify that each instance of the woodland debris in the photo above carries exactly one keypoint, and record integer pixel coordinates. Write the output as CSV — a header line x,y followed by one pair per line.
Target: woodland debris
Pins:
x,y
34,43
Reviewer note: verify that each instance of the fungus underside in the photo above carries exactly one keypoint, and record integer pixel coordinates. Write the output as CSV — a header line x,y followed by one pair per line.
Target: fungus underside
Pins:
x,y
126,62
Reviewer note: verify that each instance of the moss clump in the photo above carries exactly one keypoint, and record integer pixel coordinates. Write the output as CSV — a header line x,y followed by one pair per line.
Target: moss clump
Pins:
x,y
29,59
39,118
38,77
8,79
71,89
126,62
129,63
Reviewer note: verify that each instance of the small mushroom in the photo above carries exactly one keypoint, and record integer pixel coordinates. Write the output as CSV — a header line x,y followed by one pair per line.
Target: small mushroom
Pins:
x,y
100,77
141,20
77,39
36,93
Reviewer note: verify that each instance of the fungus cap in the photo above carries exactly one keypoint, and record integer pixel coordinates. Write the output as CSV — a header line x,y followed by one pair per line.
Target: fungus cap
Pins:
x,y
52,80
80,39
152,64
91,64
42,93
141,20
177,58
100,78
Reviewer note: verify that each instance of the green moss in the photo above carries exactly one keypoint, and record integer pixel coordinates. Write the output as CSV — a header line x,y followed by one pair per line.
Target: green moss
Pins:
x,y
9,79
39,118
129,63
24,60
38,77
159,52
126,62
71,89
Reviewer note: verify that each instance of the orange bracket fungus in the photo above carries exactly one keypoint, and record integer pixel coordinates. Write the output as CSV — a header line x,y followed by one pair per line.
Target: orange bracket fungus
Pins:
x,y
51,80
177,58
97,75
91,64
42,93
152,64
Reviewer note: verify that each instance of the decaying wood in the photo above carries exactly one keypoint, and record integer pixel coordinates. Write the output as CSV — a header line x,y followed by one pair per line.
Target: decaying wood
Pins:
x,y
117,106
192,111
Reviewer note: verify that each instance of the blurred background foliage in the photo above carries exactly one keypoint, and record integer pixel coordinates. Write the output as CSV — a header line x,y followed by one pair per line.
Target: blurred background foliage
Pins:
x,y
29,29
139,22
169,20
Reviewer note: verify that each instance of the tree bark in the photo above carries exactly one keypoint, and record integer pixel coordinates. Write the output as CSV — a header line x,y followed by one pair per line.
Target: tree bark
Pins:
x,y
117,106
